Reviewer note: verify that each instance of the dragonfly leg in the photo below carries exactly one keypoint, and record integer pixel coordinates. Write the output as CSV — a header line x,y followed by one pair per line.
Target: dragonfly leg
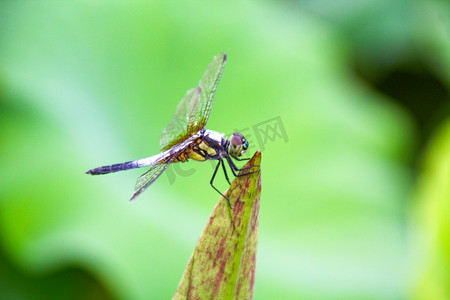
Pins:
x,y
234,168
239,159
212,184
233,165
225,171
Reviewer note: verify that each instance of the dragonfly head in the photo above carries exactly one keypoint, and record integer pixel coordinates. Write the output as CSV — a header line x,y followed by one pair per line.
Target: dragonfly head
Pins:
x,y
238,144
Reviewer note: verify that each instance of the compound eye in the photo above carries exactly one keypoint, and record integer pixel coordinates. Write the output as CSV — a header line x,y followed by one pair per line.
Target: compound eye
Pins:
x,y
245,144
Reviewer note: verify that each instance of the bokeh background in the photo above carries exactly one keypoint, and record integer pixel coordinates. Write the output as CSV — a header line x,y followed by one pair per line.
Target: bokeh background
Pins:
x,y
355,199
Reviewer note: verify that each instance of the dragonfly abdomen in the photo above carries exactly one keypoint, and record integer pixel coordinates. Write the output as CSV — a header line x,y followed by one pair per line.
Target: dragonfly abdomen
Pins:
x,y
114,168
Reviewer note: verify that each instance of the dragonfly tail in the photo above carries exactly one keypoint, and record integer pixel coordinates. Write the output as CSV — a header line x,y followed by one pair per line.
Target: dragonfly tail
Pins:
x,y
114,168
145,162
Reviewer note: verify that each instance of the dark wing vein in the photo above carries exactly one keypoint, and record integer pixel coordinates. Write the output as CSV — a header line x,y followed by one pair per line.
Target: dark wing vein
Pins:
x,y
208,85
178,128
193,110
146,179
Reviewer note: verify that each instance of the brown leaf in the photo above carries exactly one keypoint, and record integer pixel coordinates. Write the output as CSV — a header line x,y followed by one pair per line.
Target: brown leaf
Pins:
x,y
223,263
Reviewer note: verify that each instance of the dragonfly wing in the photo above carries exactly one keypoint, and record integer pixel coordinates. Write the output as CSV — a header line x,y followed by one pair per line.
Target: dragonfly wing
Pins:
x,y
146,179
178,128
208,85
193,111
159,164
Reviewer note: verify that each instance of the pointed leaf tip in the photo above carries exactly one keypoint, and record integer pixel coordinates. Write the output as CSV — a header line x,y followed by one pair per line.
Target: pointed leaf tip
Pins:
x,y
223,263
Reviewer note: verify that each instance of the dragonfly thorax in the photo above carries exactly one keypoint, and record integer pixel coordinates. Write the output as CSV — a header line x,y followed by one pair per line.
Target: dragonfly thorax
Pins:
x,y
214,135
219,146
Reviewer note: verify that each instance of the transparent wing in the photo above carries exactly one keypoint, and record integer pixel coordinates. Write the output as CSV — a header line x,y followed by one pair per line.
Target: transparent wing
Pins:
x,y
208,85
178,129
146,179
193,111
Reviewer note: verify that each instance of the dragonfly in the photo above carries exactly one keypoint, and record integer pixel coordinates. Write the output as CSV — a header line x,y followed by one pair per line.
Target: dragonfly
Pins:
x,y
185,137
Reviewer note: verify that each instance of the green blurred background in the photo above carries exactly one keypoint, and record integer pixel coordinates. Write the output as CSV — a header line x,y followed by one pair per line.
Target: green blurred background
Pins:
x,y
355,204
